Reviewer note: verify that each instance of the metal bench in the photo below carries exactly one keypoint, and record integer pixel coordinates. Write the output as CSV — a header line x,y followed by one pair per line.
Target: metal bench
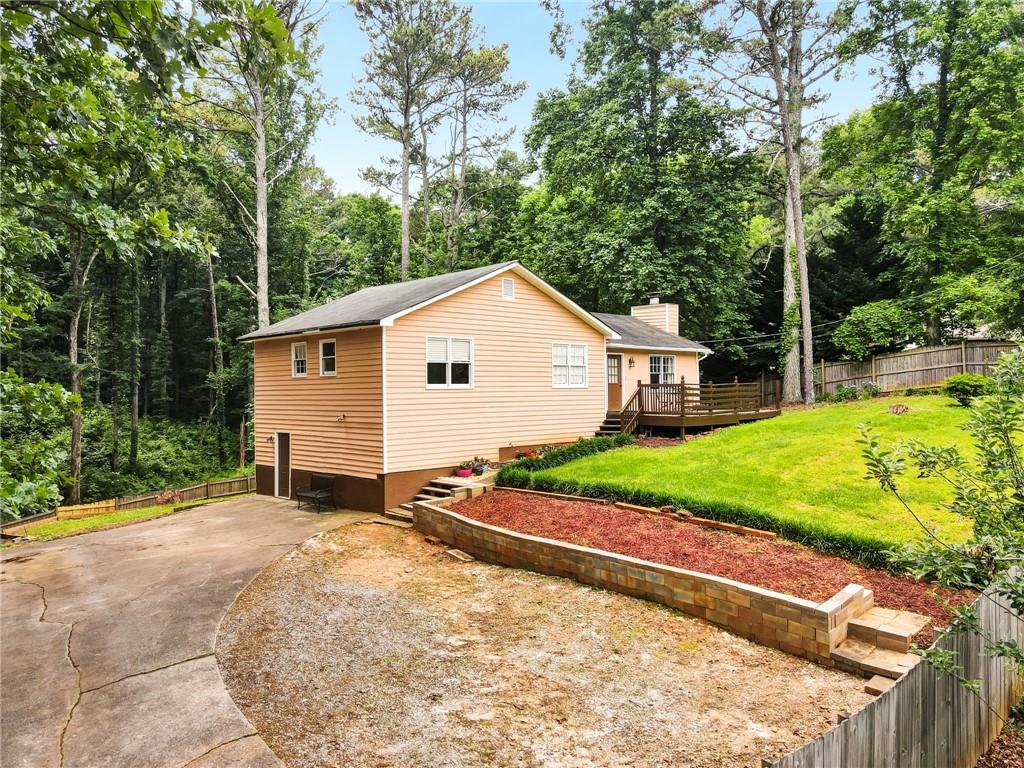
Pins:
x,y
320,491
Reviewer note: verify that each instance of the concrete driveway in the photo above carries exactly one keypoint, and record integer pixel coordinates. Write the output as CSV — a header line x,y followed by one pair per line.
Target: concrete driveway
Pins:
x,y
108,638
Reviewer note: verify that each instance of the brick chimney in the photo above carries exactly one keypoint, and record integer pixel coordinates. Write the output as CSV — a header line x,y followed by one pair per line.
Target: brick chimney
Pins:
x,y
662,315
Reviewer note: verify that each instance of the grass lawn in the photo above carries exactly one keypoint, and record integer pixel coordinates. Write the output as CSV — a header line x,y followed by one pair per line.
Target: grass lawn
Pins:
x,y
801,472
58,529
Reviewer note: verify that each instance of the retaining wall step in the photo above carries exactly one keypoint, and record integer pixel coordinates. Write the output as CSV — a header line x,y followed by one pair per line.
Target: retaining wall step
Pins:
x,y
887,628
433,490
407,506
398,514
856,655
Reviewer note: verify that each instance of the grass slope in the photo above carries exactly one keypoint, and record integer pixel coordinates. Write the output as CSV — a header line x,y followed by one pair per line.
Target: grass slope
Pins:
x,y
801,473
58,529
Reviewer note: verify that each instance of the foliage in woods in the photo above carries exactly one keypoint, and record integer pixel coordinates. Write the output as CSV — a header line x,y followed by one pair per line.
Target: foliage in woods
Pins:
x,y
158,185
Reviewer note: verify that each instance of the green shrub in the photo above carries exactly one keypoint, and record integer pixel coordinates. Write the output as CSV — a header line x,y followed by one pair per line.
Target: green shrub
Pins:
x,y
964,387
517,474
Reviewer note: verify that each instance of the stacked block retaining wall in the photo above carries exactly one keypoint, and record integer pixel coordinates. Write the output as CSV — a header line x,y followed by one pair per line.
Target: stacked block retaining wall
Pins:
x,y
800,627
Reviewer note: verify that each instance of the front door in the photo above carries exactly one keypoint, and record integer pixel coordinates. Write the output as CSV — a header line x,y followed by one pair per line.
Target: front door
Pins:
x,y
614,382
283,465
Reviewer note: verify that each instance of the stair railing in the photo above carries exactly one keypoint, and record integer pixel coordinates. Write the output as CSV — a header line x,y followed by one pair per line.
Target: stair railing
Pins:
x,y
631,412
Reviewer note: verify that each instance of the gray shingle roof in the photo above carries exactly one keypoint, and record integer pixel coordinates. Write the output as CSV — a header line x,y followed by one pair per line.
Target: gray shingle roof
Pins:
x,y
637,333
371,305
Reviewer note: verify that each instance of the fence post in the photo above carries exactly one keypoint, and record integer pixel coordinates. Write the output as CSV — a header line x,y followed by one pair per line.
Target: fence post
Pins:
x,y
207,490
823,391
963,355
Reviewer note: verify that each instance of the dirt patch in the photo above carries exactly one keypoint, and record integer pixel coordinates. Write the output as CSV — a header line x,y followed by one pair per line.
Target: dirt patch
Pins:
x,y
774,564
370,647
658,442
1008,750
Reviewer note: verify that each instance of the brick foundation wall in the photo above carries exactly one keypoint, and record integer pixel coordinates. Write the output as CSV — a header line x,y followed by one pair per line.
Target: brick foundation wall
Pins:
x,y
800,627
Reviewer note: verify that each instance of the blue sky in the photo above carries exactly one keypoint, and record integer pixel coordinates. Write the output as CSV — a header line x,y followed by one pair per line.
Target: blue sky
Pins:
x,y
341,149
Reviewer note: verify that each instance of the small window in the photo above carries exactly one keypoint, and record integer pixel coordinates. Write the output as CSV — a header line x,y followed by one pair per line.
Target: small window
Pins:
x,y
449,362
569,365
508,288
663,369
299,359
328,360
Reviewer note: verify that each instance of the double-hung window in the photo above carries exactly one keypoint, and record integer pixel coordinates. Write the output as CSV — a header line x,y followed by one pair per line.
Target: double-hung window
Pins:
x,y
568,365
299,359
328,357
663,369
449,363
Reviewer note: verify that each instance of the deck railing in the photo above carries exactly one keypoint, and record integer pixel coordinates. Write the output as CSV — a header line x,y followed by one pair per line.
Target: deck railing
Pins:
x,y
695,400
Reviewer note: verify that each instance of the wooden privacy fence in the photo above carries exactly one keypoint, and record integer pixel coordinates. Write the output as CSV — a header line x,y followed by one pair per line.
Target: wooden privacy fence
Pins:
x,y
210,489
924,367
926,719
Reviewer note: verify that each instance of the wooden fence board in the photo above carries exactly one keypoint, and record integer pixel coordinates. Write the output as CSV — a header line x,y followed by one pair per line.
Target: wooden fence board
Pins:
x,y
926,720
924,367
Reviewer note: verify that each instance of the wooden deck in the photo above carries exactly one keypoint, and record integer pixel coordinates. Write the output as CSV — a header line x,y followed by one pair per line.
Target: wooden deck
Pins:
x,y
697,405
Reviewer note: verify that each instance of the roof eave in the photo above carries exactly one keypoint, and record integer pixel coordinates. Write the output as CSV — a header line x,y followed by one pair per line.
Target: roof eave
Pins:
x,y
249,338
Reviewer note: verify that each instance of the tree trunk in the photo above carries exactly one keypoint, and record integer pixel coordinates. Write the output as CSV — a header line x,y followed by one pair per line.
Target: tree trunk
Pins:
x,y
75,462
217,404
136,372
790,313
424,189
406,138
260,179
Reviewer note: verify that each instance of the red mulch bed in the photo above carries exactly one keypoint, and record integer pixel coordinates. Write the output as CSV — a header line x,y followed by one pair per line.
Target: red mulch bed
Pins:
x,y
657,442
775,564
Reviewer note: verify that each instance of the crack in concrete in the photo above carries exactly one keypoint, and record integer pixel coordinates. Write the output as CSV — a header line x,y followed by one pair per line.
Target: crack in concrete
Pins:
x,y
196,759
67,653
147,672
78,698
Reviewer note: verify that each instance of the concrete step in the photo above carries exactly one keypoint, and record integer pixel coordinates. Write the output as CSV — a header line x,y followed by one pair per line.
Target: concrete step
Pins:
x,y
425,497
398,514
858,656
407,506
887,628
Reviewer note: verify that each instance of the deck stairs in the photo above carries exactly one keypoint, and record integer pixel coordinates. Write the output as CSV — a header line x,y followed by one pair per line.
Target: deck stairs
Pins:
x,y
878,642
444,488
612,425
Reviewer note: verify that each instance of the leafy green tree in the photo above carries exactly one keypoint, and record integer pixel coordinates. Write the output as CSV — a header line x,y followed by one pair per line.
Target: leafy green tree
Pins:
x,y
876,328
643,190
988,489
944,153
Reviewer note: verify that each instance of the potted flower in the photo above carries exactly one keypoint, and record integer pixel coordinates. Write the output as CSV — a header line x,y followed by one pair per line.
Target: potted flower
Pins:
x,y
465,469
480,465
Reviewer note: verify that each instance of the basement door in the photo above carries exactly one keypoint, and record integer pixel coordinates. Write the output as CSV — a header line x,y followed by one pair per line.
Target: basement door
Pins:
x,y
614,376
283,465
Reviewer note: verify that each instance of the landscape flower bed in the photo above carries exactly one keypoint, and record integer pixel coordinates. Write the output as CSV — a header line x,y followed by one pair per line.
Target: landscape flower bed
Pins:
x,y
774,564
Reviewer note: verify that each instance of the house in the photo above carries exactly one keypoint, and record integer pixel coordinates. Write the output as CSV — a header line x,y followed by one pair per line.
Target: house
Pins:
x,y
394,385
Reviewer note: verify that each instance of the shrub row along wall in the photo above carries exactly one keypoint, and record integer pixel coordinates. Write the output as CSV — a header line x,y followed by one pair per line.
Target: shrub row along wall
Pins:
x,y
800,627
866,550
929,720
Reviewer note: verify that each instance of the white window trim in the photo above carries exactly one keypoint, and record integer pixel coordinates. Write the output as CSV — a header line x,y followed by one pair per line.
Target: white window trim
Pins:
x,y
586,366
472,362
650,360
320,359
511,283
291,360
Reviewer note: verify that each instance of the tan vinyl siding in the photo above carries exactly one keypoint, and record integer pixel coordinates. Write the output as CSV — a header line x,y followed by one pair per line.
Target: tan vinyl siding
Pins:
x,y
512,401
309,407
686,367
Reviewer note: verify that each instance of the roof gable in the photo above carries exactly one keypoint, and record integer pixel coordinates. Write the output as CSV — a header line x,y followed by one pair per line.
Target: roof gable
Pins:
x,y
383,304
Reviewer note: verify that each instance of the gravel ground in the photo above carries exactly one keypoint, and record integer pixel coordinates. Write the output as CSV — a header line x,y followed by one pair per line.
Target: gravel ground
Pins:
x,y
370,647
